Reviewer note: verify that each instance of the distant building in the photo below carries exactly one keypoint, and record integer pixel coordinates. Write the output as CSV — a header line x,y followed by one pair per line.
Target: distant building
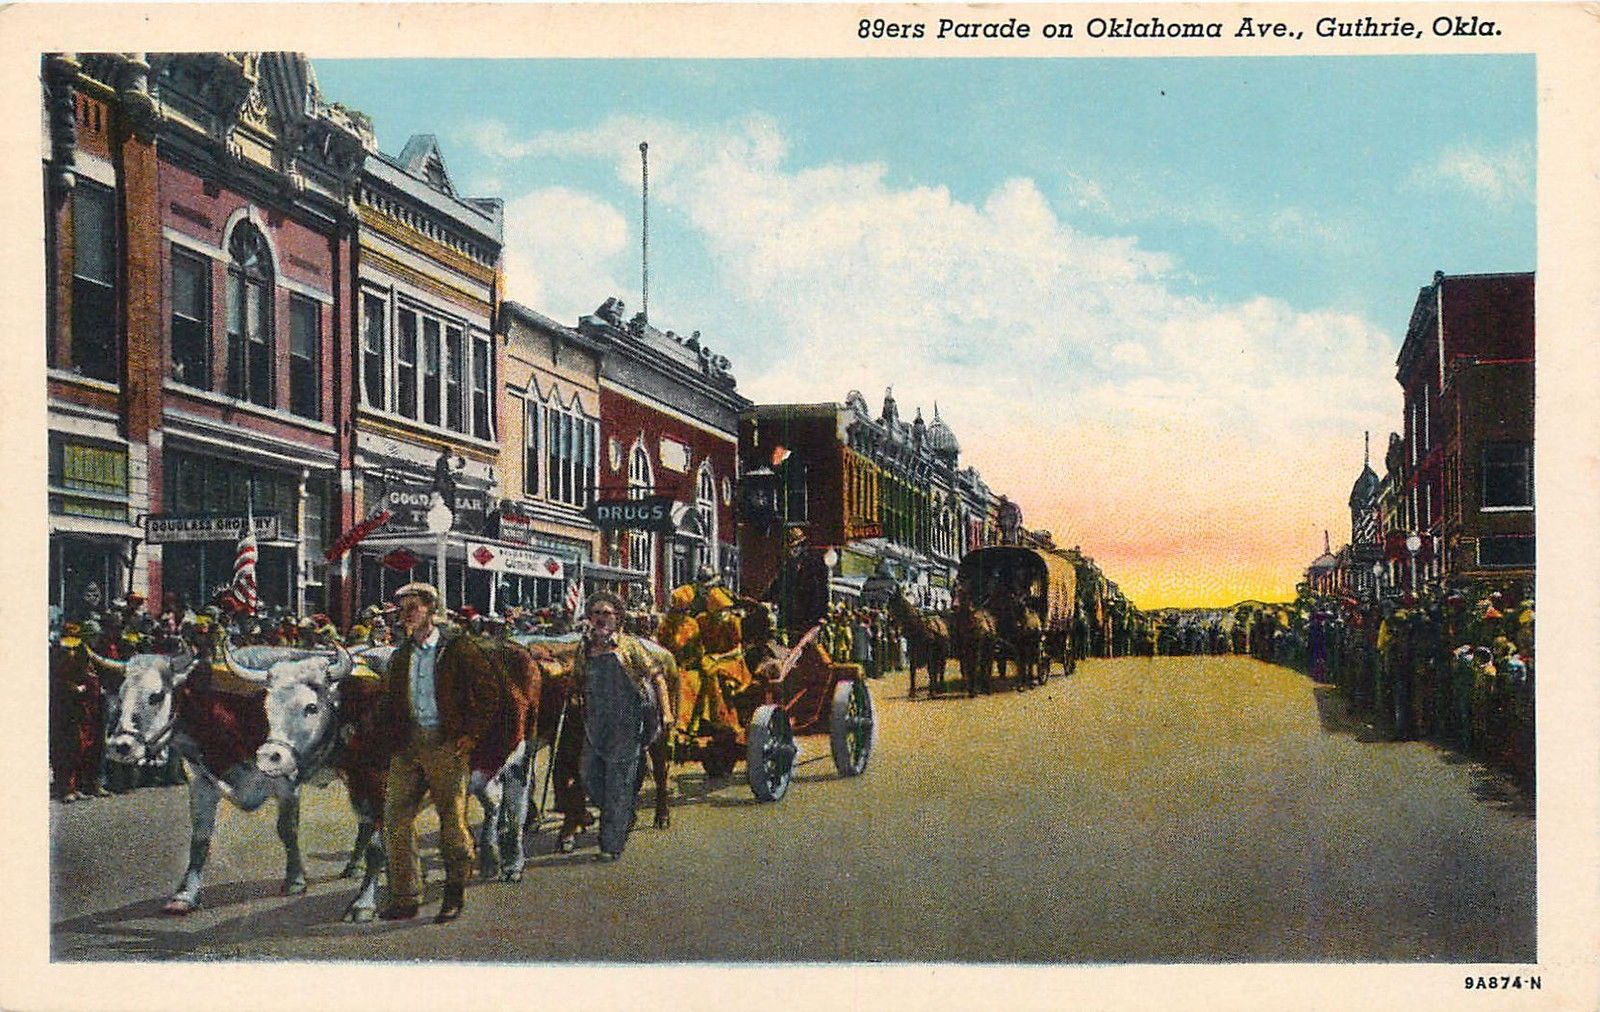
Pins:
x,y
888,496
1365,550
1322,576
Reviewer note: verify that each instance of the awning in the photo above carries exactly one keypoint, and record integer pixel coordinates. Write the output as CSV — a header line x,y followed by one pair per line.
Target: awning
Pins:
x,y
846,586
612,574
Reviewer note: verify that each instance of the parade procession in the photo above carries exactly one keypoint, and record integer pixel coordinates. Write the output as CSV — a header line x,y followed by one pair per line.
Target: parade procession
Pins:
x,y
388,590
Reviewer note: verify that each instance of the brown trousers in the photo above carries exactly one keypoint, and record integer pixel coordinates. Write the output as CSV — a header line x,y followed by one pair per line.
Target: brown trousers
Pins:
x,y
428,765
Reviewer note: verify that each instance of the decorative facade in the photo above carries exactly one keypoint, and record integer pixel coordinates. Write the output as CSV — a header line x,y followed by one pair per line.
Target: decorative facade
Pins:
x,y
426,374
669,415
197,260
888,495
550,457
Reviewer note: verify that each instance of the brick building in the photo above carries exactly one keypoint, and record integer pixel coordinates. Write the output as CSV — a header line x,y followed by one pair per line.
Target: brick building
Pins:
x,y
1467,367
886,494
197,261
669,410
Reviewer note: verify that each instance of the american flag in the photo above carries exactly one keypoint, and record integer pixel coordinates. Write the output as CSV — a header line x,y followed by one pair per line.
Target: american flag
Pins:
x,y
243,588
574,598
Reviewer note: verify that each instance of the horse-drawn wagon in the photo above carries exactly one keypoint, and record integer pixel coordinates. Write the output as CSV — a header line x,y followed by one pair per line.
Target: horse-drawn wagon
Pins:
x,y
1031,594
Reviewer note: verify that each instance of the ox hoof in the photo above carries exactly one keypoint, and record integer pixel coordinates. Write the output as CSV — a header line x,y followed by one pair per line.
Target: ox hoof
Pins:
x,y
663,820
350,871
511,875
359,915
296,888
177,906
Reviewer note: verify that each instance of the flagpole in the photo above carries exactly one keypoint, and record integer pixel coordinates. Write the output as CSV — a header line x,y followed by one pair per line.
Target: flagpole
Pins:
x,y
250,532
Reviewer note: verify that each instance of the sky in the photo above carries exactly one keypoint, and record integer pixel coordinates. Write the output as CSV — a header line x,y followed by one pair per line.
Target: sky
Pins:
x,y
1157,300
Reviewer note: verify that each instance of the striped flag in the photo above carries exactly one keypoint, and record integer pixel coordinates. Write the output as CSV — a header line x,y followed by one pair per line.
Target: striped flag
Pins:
x,y
574,598
243,588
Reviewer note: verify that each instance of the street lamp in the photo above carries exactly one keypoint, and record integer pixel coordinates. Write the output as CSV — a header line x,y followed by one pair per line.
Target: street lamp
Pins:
x,y
440,518
1377,580
1413,545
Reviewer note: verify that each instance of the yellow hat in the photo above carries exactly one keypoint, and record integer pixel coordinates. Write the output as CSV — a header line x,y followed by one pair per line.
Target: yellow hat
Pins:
x,y
718,599
683,596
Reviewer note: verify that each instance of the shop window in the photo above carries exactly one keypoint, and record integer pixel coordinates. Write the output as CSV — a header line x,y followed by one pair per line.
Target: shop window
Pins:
x,y
431,370
532,412
305,357
705,506
250,344
374,320
680,571
571,441
191,320
1502,552
641,482
455,373
1507,476
87,480
94,293
481,403
316,530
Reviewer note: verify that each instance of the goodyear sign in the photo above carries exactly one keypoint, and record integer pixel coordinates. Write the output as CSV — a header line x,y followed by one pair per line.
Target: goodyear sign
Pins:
x,y
652,513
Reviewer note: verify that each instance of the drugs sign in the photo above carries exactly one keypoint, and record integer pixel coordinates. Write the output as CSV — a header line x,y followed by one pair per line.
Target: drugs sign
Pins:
x,y
652,513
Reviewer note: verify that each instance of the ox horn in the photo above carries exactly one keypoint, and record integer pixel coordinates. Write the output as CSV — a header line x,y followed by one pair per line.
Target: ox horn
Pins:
x,y
248,674
120,667
182,661
342,663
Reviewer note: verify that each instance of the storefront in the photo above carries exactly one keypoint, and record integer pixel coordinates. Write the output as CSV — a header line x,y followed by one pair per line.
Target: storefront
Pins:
x,y
92,542
288,574
405,550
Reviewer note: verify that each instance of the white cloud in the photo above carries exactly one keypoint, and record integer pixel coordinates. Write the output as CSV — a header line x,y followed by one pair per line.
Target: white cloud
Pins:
x,y
1072,366
1499,176
562,247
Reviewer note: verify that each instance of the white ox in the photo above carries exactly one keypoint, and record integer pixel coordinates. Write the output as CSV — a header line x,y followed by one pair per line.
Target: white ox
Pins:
x,y
227,741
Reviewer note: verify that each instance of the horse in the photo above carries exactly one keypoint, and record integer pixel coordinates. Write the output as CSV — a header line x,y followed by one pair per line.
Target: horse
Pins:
x,y
1019,634
973,633
928,639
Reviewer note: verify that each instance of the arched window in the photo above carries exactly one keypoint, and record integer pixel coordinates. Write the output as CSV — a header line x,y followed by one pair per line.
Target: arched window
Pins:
x,y
250,344
705,505
641,482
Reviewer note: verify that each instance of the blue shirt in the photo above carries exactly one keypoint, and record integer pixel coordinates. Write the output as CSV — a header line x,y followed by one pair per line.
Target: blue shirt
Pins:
x,y
424,704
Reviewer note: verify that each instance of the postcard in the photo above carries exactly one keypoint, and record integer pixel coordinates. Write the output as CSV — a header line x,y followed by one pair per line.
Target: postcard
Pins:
x,y
988,506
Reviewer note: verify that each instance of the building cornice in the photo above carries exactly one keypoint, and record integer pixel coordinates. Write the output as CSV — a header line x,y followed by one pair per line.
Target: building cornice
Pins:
x,y
444,289
410,237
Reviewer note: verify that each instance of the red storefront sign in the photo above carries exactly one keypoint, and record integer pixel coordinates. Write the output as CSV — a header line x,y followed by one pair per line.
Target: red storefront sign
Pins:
x,y
401,559
349,539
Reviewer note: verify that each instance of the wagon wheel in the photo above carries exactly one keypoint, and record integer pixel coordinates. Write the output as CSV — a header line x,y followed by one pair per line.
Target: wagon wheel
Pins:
x,y
769,761
853,726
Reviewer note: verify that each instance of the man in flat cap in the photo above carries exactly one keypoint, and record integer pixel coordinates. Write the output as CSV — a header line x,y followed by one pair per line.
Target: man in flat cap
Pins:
x,y
438,701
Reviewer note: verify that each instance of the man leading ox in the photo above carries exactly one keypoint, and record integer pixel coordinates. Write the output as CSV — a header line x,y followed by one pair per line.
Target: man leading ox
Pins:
x,y
438,703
